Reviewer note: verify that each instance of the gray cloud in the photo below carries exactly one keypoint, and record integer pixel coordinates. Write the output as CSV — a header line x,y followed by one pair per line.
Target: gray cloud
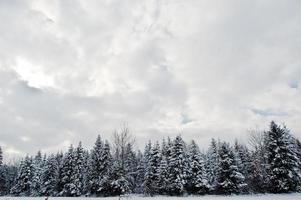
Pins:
x,y
72,69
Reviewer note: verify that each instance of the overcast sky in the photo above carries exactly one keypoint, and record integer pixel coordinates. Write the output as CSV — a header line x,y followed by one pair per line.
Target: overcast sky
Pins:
x,y
72,69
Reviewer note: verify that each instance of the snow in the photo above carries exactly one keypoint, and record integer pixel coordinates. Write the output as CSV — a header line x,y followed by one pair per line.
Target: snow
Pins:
x,y
293,196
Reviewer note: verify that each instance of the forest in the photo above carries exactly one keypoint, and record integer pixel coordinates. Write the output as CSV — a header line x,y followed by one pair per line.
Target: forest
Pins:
x,y
270,163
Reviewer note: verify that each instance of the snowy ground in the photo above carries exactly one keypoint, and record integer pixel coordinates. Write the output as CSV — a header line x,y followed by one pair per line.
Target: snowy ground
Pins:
x,y
208,197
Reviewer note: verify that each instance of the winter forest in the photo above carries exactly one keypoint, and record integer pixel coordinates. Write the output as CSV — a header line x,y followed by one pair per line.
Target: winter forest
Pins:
x,y
270,164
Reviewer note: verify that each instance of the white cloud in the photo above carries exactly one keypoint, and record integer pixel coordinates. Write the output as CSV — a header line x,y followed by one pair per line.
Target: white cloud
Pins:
x,y
73,69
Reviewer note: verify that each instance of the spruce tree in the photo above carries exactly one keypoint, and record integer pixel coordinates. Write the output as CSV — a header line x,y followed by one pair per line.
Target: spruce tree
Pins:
x,y
130,166
152,176
197,177
49,177
68,167
38,165
243,162
178,168
229,180
101,165
283,162
24,178
77,177
140,174
212,164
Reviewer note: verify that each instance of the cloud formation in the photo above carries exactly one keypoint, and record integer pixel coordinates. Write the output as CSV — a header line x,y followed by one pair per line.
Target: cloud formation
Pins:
x,y
72,69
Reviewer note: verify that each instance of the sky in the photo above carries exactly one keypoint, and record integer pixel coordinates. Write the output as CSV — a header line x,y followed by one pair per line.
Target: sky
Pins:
x,y
73,69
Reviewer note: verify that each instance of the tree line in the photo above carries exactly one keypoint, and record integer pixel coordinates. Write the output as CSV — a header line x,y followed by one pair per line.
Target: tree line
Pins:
x,y
168,167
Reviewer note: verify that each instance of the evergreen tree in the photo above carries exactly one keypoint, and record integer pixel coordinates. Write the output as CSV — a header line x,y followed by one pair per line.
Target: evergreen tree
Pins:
x,y
24,178
130,166
230,180
178,168
59,157
78,171
68,167
212,164
152,176
197,176
119,184
256,177
101,163
49,179
87,167
243,162
140,173
8,175
283,162
38,170
163,176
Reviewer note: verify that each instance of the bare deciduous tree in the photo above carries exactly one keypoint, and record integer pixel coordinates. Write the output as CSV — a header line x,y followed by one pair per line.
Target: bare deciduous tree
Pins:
x,y
122,138
256,138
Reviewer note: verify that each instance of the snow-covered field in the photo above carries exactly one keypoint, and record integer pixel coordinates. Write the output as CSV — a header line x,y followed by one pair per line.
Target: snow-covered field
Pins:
x,y
208,197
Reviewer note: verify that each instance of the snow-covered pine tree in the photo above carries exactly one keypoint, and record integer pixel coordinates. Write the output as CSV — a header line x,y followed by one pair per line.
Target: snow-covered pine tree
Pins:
x,y
86,172
119,184
197,177
107,162
212,164
163,175
24,178
96,167
283,162
146,154
243,162
8,174
152,175
49,177
68,166
130,165
256,177
38,165
78,171
59,162
100,167
140,173
230,180
178,168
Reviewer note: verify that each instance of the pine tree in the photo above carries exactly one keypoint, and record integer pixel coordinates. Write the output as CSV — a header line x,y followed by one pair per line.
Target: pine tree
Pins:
x,y
230,180
67,172
59,157
283,162
38,170
256,177
177,168
101,163
163,176
24,178
130,166
152,176
243,162
105,184
140,173
212,164
49,177
77,173
87,167
119,183
8,175
197,176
